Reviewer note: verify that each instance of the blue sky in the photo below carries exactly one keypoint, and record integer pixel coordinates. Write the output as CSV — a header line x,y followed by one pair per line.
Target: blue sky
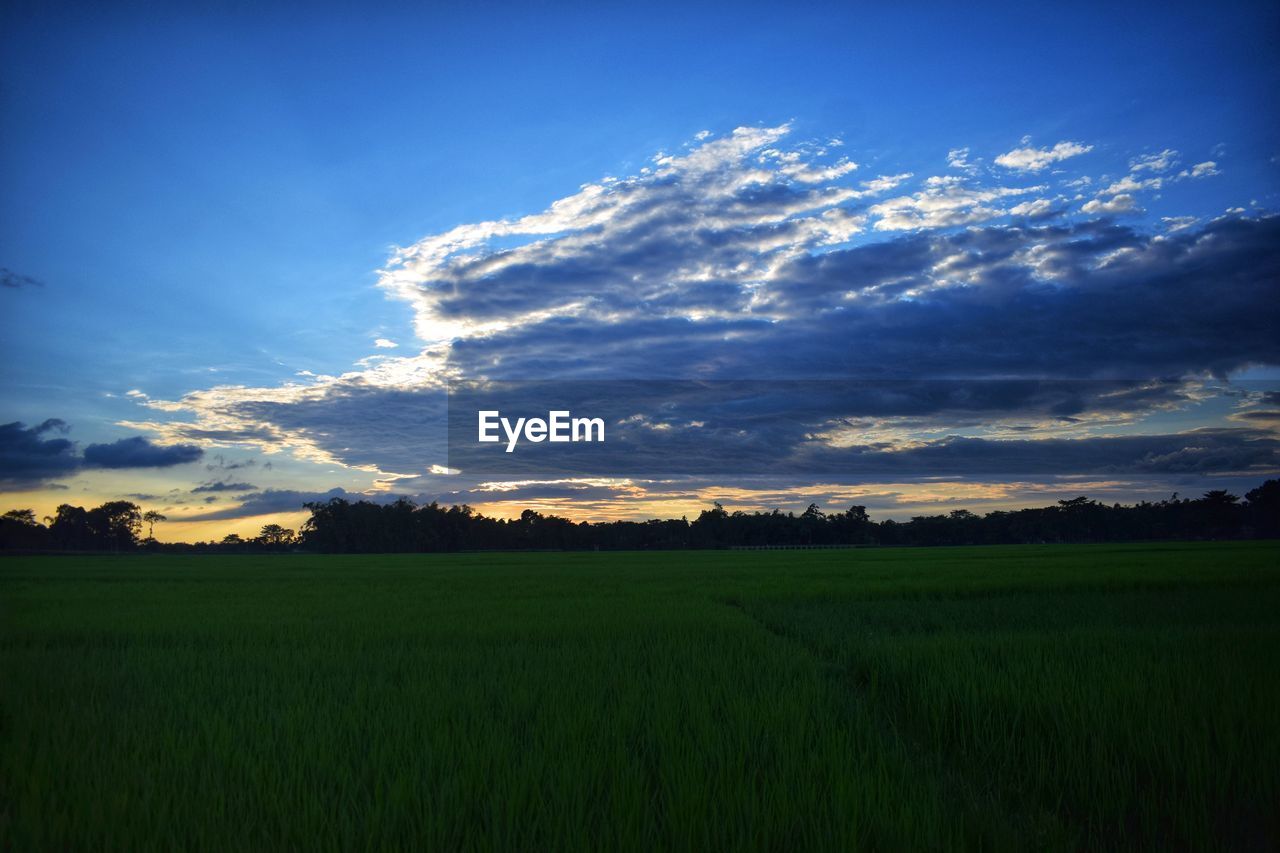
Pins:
x,y
206,194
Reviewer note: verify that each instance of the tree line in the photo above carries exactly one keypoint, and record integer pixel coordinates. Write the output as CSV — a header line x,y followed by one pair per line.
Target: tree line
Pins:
x,y
341,526
115,526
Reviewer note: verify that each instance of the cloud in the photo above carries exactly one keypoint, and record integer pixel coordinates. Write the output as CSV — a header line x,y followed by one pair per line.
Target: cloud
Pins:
x,y
944,202
680,237
1123,203
718,263
383,343
274,501
1030,159
793,164
30,460
1178,223
958,158
1130,184
9,278
1265,417
221,463
1161,162
138,452
219,486
1121,190
817,427
1070,299
1033,209
524,492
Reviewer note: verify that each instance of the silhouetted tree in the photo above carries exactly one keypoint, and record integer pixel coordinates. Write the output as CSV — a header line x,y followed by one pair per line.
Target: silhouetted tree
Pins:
x,y
151,517
115,525
21,516
275,536
1263,508
19,531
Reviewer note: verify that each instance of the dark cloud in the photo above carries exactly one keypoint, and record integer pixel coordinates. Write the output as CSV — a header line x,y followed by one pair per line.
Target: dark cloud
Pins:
x,y
782,446
273,501
1262,415
735,261
219,486
394,430
670,428
28,458
532,492
9,278
138,452
724,263
1198,451
1078,300
221,463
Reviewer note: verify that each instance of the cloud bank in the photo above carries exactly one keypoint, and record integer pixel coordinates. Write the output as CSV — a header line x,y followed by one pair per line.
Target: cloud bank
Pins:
x,y
745,257
30,458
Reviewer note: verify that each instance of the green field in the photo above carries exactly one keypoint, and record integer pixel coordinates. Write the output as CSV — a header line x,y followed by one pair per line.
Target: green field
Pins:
x,y
998,698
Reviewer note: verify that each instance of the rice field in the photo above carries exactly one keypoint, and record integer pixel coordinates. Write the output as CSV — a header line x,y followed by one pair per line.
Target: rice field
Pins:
x,y
1048,698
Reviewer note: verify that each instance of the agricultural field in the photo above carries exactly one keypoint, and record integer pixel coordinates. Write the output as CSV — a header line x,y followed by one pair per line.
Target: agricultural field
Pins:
x,y
1047,697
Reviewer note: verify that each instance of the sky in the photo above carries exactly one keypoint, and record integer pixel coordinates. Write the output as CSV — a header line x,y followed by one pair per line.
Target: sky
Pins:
x,y
244,249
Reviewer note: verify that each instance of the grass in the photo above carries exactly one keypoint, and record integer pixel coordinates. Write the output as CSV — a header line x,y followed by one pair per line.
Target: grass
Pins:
x,y
973,698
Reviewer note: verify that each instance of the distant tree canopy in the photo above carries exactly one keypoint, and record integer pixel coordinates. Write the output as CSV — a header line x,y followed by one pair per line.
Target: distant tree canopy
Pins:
x,y
114,526
275,536
24,517
341,526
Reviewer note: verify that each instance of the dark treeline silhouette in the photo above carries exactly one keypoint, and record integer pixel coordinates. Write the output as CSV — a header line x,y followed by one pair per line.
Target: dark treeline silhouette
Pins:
x,y
361,527
340,526
116,526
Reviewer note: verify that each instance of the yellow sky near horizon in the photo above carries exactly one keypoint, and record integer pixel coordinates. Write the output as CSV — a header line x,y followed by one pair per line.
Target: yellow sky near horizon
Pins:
x,y
884,500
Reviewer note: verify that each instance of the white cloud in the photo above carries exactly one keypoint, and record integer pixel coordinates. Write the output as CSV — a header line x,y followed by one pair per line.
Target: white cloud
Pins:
x,y
1178,223
794,165
941,204
1034,159
383,343
1155,162
1204,170
958,158
1038,207
810,174
1130,184
764,203
885,182
1123,203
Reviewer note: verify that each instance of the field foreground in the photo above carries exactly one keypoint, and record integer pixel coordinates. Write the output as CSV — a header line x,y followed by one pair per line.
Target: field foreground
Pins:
x,y
1001,698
